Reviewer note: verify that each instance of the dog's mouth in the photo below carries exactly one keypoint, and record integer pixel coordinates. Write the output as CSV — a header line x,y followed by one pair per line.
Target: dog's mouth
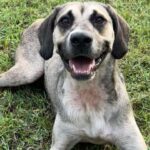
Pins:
x,y
83,67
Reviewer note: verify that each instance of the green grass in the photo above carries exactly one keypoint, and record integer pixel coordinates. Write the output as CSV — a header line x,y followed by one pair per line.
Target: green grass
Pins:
x,y
26,118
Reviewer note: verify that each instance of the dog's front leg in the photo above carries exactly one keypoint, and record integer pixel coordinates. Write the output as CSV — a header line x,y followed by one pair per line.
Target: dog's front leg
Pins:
x,y
29,64
129,137
64,135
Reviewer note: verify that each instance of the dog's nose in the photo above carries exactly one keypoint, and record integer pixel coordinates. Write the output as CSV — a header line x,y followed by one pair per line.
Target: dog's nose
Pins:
x,y
79,40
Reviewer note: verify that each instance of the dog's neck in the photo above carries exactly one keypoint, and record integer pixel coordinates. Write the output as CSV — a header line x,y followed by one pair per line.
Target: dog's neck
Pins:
x,y
101,87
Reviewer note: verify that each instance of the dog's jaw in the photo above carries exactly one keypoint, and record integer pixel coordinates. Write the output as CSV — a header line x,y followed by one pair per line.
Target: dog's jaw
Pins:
x,y
83,67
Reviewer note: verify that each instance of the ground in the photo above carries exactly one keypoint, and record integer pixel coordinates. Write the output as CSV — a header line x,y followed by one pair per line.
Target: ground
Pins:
x,y
26,118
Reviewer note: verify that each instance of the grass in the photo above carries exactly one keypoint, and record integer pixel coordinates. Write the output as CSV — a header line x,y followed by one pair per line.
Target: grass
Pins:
x,y
26,118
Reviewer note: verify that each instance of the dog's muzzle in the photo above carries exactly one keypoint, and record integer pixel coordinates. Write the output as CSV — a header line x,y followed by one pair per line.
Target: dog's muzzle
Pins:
x,y
79,60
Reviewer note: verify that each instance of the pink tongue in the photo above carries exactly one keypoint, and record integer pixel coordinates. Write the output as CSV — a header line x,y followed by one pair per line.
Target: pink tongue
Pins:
x,y
82,65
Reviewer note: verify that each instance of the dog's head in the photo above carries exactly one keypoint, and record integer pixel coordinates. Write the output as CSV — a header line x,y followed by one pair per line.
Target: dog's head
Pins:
x,y
83,33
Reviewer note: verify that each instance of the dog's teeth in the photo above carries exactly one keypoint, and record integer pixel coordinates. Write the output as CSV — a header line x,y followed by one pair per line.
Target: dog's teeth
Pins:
x,y
100,60
76,71
73,67
80,71
92,65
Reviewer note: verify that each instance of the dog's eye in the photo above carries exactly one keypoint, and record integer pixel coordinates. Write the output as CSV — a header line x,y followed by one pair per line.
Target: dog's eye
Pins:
x,y
65,22
98,20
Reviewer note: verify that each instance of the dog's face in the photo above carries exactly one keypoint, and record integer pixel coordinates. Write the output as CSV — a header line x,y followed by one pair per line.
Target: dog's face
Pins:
x,y
83,34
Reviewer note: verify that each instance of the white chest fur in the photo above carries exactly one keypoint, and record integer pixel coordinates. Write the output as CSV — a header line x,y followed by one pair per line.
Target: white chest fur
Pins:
x,y
84,103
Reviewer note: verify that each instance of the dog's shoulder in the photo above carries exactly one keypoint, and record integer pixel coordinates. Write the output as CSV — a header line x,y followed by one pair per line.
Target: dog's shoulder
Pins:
x,y
29,46
33,28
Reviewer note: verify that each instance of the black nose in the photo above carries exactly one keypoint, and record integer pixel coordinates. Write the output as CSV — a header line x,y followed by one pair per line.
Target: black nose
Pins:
x,y
79,40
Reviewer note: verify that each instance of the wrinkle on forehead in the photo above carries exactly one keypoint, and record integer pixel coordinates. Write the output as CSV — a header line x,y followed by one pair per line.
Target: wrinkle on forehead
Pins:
x,y
98,7
84,9
73,6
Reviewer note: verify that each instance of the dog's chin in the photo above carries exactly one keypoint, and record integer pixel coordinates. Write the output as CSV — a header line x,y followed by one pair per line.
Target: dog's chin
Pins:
x,y
83,67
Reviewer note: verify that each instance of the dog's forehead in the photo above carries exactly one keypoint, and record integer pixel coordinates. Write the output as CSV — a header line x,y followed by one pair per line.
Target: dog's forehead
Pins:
x,y
84,9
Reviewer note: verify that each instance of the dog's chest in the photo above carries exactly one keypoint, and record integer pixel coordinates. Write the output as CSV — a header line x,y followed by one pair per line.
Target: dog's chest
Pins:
x,y
84,105
83,96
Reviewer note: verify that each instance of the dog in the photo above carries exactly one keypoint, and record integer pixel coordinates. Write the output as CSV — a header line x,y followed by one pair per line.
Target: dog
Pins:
x,y
77,48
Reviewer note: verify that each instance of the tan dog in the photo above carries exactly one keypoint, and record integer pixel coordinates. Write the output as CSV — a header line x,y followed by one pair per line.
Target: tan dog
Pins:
x,y
83,41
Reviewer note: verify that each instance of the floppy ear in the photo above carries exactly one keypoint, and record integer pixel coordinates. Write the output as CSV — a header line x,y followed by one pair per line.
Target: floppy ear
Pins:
x,y
46,35
121,29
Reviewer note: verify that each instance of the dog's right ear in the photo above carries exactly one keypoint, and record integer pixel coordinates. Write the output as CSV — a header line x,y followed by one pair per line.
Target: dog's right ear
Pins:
x,y
121,29
46,35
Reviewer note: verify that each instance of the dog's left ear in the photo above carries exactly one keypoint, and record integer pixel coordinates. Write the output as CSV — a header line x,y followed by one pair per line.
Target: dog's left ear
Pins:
x,y
121,29
46,35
